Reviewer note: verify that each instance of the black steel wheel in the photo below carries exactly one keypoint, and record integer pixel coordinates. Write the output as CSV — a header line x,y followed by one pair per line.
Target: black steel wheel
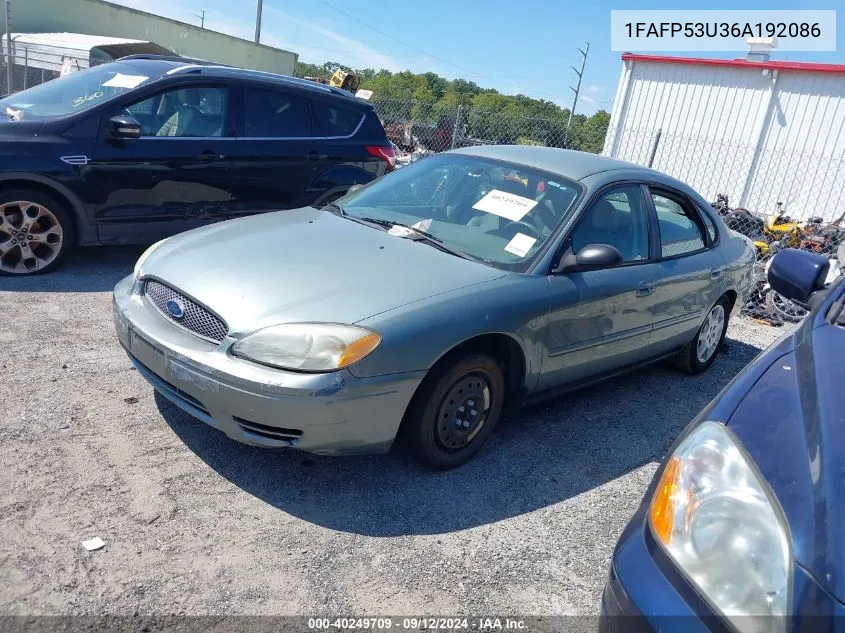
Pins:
x,y
455,411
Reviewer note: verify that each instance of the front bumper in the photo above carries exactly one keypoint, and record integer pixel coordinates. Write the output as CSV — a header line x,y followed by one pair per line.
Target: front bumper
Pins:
x,y
333,413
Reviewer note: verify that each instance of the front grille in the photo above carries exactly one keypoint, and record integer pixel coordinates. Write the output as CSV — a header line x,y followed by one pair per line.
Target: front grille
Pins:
x,y
196,319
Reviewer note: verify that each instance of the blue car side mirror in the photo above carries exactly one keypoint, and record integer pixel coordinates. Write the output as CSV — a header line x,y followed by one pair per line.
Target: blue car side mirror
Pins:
x,y
591,257
798,275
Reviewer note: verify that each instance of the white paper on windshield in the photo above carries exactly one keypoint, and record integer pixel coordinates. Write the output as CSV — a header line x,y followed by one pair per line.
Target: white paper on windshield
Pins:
x,y
125,81
506,205
364,94
422,225
520,244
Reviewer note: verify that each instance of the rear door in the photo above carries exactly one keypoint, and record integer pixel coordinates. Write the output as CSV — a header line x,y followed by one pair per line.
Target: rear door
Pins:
x,y
175,177
276,154
601,320
351,149
690,277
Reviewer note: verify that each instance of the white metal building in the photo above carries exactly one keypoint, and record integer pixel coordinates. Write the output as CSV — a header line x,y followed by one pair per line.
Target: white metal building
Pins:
x,y
759,131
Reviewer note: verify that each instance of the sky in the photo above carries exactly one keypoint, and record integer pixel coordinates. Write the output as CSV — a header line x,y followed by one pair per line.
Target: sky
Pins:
x,y
516,46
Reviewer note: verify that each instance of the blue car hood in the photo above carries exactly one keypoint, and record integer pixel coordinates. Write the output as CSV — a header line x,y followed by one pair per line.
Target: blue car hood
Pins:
x,y
792,422
305,265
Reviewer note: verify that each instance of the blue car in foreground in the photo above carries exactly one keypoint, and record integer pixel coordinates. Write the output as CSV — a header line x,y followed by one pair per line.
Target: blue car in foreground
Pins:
x,y
743,526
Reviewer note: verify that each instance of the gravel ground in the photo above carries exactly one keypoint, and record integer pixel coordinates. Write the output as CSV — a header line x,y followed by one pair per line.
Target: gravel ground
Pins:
x,y
197,524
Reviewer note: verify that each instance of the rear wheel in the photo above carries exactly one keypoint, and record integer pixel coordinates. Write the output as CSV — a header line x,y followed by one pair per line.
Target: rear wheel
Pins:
x,y
700,353
36,233
455,411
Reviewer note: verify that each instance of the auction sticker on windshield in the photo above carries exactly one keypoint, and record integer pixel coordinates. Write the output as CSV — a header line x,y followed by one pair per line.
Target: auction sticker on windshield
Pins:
x,y
125,81
520,244
506,205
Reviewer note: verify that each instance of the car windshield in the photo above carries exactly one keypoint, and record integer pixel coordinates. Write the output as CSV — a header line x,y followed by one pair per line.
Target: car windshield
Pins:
x,y
72,93
498,213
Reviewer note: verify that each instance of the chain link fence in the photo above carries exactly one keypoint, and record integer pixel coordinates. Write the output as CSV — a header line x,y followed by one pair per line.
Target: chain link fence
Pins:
x,y
785,199
29,66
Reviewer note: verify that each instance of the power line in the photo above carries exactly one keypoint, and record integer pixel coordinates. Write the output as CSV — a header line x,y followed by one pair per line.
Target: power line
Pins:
x,y
428,54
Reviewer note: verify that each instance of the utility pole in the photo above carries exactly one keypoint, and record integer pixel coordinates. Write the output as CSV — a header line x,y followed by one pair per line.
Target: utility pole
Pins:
x,y
258,22
8,47
201,16
577,88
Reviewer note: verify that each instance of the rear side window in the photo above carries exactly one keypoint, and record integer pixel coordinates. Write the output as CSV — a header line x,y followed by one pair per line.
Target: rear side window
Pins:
x,y
337,120
711,228
274,113
681,229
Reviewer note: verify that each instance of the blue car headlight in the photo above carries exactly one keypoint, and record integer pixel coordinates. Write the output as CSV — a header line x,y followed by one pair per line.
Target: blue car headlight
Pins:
x,y
719,523
308,346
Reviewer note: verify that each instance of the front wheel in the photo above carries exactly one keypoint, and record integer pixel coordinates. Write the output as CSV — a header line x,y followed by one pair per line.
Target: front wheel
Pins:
x,y
700,353
455,411
36,233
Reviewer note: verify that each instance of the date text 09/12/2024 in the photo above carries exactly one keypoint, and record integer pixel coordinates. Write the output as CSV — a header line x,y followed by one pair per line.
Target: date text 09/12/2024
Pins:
x,y
418,624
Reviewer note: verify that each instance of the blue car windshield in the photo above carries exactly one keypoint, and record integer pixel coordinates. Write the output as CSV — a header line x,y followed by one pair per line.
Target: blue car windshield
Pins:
x,y
72,93
498,213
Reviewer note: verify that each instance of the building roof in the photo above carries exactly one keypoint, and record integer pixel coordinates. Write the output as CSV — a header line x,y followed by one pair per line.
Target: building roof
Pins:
x,y
811,67
74,43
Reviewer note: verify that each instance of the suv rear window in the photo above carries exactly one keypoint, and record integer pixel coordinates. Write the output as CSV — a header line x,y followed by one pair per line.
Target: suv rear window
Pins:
x,y
337,120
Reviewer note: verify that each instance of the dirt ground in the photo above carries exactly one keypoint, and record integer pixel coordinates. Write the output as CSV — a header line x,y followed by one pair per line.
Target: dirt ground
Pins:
x,y
197,524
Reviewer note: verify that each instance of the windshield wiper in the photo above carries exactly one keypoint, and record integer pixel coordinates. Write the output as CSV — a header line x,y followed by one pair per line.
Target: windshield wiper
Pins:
x,y
419,235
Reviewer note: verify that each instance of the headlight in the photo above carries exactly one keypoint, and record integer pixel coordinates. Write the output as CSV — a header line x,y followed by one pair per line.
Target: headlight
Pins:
x,y
308,346
716,520
144,257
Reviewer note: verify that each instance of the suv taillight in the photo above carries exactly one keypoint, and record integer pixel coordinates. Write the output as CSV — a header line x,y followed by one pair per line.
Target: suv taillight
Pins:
x,y
387,154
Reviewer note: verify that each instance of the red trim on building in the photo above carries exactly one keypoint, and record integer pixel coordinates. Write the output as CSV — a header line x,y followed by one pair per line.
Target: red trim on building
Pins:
x,y
811,67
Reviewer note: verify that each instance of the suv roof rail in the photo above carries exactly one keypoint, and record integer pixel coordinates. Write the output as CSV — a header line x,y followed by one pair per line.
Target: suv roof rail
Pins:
x,y
172,58
289,79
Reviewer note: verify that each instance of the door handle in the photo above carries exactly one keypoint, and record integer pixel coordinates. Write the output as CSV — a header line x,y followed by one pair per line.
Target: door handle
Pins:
x,y
715,273
645,289
210,155
316,156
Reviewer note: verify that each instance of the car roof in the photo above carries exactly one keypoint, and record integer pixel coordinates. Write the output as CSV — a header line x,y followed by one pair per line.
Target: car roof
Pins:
x,y
564,162
166,65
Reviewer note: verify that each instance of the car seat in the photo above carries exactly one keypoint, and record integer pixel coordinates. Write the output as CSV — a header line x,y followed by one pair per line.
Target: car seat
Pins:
x,y
604,224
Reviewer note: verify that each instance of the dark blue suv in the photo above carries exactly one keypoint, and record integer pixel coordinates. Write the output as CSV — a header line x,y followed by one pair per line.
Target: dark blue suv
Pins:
x,y
148,146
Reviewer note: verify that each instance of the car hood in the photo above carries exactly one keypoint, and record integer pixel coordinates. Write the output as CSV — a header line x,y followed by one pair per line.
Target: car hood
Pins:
x,y
305,265
792,422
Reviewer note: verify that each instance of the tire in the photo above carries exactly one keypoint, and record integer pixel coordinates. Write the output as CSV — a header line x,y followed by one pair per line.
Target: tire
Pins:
x,y
689,359
44,224
332,197
783,309
437,418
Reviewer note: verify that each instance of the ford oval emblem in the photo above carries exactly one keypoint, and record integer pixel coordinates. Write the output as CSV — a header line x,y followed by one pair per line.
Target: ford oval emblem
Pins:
x,y
175,308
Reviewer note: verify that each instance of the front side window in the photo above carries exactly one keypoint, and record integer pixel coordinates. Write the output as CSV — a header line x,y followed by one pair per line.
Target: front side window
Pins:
x,y
74,93
681,231
618,218
498,213
273,113
198,111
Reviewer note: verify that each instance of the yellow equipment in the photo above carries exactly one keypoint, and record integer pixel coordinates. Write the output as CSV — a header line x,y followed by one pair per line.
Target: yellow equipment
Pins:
x,y
343,79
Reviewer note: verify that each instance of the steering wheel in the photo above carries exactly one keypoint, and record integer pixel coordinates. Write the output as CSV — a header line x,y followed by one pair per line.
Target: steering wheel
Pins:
x,y
512,228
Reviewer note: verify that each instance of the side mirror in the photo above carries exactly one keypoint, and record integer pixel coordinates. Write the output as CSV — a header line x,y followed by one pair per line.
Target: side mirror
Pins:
x,y
591,257
124,126
354,187
797,275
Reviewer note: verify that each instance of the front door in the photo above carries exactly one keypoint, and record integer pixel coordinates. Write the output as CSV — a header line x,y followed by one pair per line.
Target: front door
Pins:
x,y
600,320
176,176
